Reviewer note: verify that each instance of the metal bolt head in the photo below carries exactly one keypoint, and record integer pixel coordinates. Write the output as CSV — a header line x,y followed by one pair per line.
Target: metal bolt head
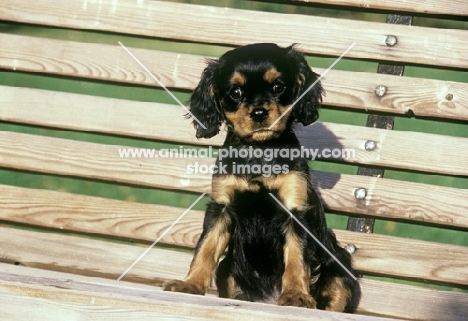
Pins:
x,y
367,228
350,248
391,40
449,97
370,145
360,193
380,91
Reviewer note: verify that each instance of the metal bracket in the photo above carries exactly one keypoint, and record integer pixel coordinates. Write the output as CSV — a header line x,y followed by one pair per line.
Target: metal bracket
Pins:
x,y
365,224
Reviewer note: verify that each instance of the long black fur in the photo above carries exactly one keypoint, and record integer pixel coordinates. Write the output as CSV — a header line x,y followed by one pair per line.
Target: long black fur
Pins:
x,y
257,223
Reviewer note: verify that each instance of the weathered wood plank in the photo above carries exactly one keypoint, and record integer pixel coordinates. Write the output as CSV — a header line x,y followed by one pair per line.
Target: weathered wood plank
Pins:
x,y
99,216
399,301
98,161
422,97
210,24
327,141
435,7
38,303
90,257
146,222
164,122
97,61
376,254
395,149
59,294
410,302
427,98
410,259
387,198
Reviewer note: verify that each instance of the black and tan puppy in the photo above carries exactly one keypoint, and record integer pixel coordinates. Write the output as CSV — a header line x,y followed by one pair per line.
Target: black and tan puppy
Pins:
x,y
270,257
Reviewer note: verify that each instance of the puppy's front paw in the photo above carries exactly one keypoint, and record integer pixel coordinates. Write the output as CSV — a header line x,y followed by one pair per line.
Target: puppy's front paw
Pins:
x,y
184,287
297,299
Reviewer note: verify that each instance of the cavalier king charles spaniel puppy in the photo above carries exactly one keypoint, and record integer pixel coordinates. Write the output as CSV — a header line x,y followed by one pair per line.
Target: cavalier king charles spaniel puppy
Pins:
x,y
259,92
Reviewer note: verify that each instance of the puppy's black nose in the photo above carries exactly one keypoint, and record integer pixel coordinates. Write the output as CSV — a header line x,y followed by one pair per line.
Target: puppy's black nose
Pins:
x,y
259,114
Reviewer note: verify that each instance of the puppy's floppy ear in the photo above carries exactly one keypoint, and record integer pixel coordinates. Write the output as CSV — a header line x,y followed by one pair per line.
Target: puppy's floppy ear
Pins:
x,y
204,104
306,110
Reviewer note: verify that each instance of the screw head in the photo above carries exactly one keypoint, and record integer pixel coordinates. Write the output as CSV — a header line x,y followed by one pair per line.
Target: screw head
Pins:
x,y
391,40
380,90
350,248
449,97
370,145
360,193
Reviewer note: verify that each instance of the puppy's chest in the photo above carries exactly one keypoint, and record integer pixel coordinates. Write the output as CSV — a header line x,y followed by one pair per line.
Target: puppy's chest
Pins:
x,y
257,213
246,163
257,231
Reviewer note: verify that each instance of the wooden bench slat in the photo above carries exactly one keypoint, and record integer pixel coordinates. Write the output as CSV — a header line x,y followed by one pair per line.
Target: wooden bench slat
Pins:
x,y
65,294
210,24
115,117
345,142
145,222
99,61
147,120
375,254
410,302
387,198
427,98
105,259
99,216
38,229
28,306
410,259
96,161
405,95
450,7
90,257
396,149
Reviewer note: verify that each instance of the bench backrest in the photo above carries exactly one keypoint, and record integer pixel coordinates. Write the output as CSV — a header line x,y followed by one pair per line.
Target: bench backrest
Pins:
x,y
57,121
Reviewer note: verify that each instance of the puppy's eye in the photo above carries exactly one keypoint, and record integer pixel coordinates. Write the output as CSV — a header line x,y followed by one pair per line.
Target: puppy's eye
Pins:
x,y
235,93
278,88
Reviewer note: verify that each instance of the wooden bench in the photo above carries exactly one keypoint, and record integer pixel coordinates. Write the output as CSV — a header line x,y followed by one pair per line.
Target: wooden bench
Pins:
x,y
65,239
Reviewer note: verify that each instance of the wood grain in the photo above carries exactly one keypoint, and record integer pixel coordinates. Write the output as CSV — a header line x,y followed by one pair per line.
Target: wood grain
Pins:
x,y
146,222
210,24
355,90
376,254
99,216
165,122
98,161
451,7
403,301
395,149
409,259
58,294
91,257
410,302
393,199
444,155
35,293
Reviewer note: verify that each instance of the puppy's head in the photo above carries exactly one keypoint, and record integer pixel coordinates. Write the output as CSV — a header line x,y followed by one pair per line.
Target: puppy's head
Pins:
x,y
252,89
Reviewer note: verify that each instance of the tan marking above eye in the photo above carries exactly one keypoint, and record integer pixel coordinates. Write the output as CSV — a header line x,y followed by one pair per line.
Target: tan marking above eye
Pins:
x,y
271,75
238,79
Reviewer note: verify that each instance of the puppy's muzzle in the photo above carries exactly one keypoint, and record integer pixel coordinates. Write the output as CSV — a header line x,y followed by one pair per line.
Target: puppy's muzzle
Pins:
x,y
259,115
